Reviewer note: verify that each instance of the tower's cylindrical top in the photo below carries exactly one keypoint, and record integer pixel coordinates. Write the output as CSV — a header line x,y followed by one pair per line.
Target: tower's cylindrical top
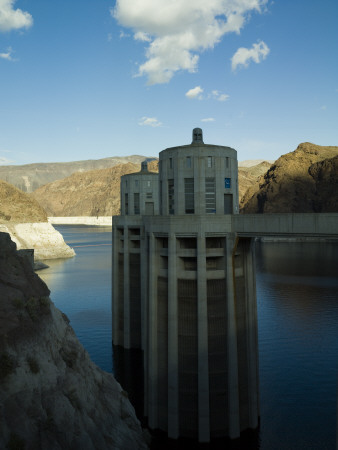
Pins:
x,y
139,192
198,178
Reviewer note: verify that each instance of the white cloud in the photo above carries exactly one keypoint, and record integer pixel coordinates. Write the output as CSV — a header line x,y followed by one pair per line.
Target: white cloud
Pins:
x,y
13,19
7,55
323,107
141,36
223,97
150,121
257,53
124,35
208,119
194,93
179,30
217,95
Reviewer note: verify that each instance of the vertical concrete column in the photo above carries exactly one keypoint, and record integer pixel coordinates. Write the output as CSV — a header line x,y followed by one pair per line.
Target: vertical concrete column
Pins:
x,y
252,344
115,277
144,313
152,362
173,415
202,330
126,288
233,407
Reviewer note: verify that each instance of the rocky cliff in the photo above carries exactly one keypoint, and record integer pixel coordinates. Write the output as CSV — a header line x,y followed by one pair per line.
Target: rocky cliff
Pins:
x,y
249,174
52,396
26,221
304,180
92,193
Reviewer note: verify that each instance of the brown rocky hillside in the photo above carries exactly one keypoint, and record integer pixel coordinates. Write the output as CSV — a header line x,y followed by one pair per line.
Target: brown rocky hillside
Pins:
x,y
92,193
304,180
16,206
29,177
247,176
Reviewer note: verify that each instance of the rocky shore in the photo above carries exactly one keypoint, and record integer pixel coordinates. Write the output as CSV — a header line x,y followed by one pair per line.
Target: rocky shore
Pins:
x,y
52,396
46,241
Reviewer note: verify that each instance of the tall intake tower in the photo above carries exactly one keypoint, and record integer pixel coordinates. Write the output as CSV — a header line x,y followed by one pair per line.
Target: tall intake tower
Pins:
x,y
184,294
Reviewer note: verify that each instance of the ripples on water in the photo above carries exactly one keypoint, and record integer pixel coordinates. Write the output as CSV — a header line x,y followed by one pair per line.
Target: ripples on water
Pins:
x,y
297,301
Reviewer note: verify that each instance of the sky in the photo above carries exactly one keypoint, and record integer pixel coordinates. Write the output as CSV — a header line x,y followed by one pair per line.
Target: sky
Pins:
x,y
92,79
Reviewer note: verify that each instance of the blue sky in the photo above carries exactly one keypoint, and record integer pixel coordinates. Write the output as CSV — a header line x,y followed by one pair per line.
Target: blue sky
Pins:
x,y
99,78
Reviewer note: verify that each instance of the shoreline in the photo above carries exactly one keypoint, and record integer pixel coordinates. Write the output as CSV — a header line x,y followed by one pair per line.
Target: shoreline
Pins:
x,y
82,220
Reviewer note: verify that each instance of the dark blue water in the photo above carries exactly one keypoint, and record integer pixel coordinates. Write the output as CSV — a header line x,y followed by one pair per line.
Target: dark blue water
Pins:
x,y
81,288
297,300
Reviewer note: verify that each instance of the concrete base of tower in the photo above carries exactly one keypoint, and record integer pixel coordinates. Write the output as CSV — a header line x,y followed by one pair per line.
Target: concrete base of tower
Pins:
x,y
198,323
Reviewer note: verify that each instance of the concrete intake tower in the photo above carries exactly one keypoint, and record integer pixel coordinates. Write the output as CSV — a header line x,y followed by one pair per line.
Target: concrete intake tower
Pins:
x,y
184,293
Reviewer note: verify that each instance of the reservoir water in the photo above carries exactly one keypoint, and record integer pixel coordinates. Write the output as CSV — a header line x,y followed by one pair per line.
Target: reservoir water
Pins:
x,y
297,301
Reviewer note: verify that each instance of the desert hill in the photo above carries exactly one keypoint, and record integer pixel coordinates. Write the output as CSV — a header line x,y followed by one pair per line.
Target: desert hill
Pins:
x,y
304,180
97,192
248,175
29,177
16,206
26,221
92,193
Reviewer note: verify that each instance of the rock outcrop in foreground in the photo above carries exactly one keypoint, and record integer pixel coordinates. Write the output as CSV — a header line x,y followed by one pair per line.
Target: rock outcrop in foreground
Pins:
x,y
26,221
305,180
52,396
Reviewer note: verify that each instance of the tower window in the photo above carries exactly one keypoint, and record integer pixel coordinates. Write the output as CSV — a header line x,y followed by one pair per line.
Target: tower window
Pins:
x,y
189,195
136,183
209,161
136,203
170,163
188,162
126,204
227,162
148,183
210,196
171,199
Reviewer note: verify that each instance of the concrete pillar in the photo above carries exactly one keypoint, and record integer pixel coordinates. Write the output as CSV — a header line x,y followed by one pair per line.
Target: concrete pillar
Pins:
x,y
152,355
233,407
173,414
202,329
126,288
144,314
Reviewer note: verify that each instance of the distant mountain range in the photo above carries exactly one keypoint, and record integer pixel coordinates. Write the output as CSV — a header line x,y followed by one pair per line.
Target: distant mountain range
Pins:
x,y
31,176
